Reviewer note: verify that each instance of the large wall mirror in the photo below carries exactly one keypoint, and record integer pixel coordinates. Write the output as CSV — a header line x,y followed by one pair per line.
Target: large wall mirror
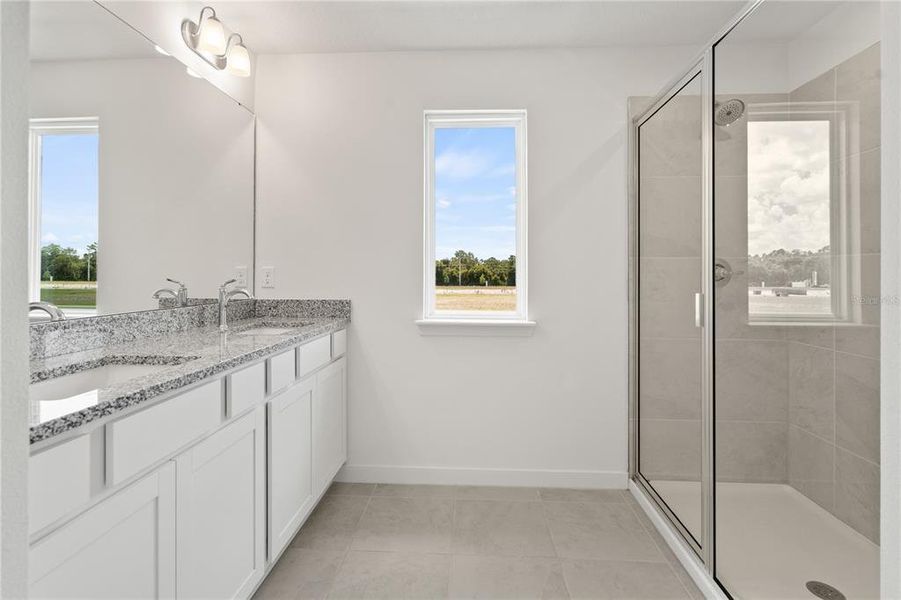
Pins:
x,y
139,171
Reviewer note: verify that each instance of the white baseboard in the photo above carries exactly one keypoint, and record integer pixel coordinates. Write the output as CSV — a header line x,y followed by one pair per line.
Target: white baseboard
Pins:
x,y
501,477
686,556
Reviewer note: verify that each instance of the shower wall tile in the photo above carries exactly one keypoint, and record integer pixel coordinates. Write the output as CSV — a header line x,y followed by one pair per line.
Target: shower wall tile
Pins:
x,y
666,297
812,335
811,396
820,89
670,216
858,81
670,450
857,405
751,452
868,296
751,380
670,143
731,216
670,379
811,466
731,309
857,493
863,198
858,339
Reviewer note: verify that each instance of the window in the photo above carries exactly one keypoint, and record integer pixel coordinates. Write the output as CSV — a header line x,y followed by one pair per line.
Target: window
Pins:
x,y
797,214
63,213
475,217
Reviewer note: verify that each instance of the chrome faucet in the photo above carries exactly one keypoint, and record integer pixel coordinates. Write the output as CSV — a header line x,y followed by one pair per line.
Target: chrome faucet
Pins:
x,y
51,309
225,295
180,296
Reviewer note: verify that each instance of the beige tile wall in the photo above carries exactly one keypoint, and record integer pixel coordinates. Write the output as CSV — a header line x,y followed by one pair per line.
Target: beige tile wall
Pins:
x,y
833,455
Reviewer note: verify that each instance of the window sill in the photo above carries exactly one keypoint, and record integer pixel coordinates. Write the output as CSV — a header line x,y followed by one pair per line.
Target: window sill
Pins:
x,y
476,327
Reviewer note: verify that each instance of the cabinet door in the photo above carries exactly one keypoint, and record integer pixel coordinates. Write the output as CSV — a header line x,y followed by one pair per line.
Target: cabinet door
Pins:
x,y
221,518
124,547
329,424
290,463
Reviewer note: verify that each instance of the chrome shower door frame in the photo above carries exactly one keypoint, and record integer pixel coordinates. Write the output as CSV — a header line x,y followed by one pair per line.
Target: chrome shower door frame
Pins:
x,y
703,65
701,68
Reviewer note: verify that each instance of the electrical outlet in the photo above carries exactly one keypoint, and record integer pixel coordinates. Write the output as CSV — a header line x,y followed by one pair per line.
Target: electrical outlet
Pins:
x,y
268,277
241,275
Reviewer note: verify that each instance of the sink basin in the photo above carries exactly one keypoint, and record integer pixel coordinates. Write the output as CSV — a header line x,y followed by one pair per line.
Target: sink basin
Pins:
x,y
267,331
70,393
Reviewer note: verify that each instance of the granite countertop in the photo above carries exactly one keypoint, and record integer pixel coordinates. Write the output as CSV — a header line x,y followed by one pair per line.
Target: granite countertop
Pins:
x,y
182,359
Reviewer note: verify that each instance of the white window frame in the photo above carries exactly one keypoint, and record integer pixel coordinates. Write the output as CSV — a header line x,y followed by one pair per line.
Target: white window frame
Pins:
x,y
37,128
458,119
844,282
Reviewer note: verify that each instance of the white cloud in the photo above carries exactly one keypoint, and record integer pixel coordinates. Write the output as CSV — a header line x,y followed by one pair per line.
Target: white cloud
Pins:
x,y
788,185
49,238
443,203
462,165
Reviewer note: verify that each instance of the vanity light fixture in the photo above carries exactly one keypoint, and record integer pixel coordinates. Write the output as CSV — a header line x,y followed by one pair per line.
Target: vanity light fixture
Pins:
x,y
207,39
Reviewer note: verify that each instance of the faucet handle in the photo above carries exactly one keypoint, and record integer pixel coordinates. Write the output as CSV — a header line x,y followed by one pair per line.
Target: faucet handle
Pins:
x,y
227,283
178,283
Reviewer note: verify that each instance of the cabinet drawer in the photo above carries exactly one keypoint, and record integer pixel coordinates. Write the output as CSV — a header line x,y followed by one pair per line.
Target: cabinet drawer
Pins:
x,y
339,343
313,355
139,440
245,388
59,481
281,370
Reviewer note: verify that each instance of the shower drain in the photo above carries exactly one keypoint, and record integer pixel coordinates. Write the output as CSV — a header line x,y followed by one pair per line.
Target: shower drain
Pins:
x,y
824,591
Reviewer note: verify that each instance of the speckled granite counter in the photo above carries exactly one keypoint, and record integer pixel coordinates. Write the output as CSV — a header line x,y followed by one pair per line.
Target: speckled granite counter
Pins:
x,y
184,357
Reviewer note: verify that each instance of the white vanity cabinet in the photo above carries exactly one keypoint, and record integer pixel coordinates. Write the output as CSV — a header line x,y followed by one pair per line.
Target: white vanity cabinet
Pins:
x,y
291,494
123,547
179,499
221,511
329,424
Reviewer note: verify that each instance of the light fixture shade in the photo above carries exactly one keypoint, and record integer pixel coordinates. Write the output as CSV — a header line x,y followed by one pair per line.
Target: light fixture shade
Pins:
x,y
237,62
211,37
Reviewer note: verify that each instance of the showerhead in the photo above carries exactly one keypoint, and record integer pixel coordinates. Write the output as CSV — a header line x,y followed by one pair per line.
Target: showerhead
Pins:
x,y
728,112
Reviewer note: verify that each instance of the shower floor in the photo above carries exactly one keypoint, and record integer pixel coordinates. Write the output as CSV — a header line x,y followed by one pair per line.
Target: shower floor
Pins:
x,y
771,540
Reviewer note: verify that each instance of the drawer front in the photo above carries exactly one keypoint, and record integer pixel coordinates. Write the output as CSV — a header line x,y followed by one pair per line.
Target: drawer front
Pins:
x,y
59,481
281,370
245,388
314,355
339,343
139,440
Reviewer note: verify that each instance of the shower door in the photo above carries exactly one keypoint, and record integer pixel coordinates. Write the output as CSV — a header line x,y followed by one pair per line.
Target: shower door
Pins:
x,y
668,342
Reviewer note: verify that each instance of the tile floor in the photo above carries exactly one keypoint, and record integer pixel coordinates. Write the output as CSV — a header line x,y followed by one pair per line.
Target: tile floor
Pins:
x,y
405,541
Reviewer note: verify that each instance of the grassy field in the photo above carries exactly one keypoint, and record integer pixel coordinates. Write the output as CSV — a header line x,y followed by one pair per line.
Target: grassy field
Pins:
x,y
475,298
70,294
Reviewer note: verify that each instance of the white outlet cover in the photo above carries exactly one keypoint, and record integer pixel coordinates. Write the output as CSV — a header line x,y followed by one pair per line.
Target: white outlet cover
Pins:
x,y
268,277
241,275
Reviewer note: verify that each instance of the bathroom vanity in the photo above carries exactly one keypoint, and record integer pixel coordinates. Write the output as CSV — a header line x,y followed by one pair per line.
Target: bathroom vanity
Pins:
x,y
186,462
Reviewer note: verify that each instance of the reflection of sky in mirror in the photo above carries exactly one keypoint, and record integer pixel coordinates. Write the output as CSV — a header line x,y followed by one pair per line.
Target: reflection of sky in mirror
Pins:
x,y
788,185
475,191
69,190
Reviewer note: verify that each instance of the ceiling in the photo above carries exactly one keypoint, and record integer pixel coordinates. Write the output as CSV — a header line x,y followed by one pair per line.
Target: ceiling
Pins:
x,y
82,30
278,27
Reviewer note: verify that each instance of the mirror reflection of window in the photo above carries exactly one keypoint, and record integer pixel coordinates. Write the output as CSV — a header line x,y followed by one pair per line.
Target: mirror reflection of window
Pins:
x,y
63,207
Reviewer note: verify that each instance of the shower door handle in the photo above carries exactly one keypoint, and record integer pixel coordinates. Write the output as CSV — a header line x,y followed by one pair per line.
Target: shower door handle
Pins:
x,y
699,309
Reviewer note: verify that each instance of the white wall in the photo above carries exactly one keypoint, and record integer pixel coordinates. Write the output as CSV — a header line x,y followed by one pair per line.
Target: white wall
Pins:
x,y
176,173
340,215
13,298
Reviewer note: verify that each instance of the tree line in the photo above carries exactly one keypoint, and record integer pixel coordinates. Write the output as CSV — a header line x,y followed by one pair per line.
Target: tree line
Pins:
x,y
466,269
781,267
65,264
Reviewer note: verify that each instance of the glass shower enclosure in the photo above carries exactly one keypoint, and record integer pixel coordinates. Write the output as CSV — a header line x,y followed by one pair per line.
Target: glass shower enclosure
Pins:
x,y
755,302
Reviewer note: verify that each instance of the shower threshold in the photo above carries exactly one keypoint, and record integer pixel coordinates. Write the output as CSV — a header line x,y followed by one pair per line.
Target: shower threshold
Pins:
x,y
772,540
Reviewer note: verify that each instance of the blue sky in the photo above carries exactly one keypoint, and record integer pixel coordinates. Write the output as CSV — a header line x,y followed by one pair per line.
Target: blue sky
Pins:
x,y
69,193
475,191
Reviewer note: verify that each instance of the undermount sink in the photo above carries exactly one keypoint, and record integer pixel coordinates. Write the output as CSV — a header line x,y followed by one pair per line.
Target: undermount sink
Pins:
x,y
60,396
270,330
67,386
